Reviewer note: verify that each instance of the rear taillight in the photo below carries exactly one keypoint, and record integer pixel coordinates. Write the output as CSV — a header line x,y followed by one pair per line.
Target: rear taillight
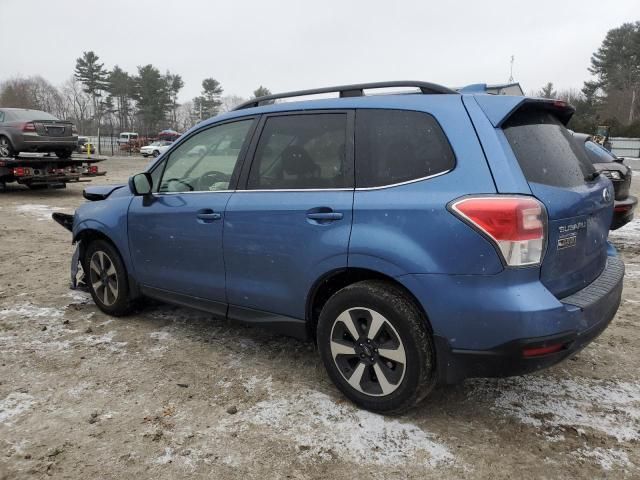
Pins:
x,y
28,127
74,130
22,172
516,225
93,169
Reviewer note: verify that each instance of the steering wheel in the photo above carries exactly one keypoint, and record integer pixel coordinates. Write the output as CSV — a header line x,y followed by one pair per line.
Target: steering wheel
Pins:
x,y
182,182
210,178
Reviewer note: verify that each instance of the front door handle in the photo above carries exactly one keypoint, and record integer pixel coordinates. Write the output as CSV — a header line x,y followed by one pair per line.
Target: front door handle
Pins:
x,y
207,215
325,215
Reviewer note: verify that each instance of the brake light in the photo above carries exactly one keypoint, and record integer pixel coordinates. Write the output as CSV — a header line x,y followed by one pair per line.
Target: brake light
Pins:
x,y
74,130
22,171
93,169
28,127
515,225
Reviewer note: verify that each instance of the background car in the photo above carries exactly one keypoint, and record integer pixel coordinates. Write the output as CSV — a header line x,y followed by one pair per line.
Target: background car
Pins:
x,y
82,145
24,130
615,170
155,148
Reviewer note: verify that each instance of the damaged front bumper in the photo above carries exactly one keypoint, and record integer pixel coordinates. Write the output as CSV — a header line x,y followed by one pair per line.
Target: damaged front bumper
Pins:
x,y
77,273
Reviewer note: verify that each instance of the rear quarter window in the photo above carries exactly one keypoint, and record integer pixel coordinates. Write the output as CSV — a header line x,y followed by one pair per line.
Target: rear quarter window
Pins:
x,y
396,146
546,150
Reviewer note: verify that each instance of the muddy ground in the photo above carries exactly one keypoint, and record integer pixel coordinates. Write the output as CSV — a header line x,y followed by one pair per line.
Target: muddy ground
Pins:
x,y
173,393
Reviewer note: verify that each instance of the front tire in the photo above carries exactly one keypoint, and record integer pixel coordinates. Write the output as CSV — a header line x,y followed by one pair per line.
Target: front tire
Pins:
x,y
376,347
106,277
156,153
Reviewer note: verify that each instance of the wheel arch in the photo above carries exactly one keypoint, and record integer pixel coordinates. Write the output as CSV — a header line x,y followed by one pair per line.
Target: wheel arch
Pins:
x,y
87,235
333,281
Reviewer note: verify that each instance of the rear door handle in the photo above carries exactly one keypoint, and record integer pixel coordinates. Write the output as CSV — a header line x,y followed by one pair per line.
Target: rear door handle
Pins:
x,y
207,214
324,216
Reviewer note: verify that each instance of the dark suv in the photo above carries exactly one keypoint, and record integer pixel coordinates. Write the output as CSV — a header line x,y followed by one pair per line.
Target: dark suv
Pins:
x,y
418,237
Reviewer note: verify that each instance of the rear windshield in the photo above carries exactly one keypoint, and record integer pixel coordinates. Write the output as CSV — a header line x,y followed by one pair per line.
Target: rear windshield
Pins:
x,y
28,115
546,150
597,153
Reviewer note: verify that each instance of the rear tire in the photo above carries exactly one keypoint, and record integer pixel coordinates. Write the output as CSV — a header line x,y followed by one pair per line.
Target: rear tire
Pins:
x,y
6,148
64,153
388,370
107,279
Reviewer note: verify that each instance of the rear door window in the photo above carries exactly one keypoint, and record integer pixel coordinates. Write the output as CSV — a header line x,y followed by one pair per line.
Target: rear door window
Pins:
x,y
546,150
395,146
302,152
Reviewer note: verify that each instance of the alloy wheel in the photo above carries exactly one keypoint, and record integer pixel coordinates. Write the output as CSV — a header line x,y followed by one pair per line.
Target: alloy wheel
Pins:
x,y
5,148
103,277
368,351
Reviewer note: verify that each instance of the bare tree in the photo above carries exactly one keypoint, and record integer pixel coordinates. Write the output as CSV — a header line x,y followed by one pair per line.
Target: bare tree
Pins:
x,y
79,103
229,102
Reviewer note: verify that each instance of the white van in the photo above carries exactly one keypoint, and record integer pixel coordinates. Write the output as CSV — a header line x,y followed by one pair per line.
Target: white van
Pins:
x,y
126,137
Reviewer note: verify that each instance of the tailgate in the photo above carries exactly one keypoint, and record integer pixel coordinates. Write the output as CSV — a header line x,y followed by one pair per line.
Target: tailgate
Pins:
x,y
579,203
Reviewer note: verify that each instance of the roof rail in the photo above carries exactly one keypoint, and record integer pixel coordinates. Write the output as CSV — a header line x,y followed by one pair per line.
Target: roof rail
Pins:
x,y
355,90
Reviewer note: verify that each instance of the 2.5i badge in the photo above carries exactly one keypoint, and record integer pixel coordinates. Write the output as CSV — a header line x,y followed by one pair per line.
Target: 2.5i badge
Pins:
x,y
567,242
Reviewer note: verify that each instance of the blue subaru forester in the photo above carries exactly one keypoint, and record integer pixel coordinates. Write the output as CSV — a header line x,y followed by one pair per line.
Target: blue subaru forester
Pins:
x,y
418,237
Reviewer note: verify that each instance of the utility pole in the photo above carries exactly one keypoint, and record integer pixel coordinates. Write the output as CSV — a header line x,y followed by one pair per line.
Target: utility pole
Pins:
x,y
513,59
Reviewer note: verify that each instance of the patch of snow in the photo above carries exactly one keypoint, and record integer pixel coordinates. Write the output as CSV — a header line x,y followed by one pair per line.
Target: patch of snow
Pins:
x,y
43,212
105,340
79,296
607,406
161,335
79,389
629,234
165,458
31,311
606,457
14,404
321,427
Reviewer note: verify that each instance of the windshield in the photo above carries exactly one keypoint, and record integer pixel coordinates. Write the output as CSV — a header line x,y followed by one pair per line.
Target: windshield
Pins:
x,y
597,153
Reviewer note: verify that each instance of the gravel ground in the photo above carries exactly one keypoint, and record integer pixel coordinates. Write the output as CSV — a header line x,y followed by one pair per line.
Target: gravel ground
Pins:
x,y
170,392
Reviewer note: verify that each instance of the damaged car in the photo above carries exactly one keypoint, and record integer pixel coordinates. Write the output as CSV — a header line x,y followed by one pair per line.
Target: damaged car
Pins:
x,y
419,238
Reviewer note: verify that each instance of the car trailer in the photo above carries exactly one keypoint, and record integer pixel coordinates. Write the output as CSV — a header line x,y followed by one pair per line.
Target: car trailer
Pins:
x,y
39,172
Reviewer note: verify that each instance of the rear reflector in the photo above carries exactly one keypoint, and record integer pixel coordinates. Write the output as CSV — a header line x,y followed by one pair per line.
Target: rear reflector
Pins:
x,y
516,225
540,351
622,208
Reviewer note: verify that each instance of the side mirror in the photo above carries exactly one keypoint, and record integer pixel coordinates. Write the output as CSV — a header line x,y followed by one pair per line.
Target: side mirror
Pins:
x,y
141,184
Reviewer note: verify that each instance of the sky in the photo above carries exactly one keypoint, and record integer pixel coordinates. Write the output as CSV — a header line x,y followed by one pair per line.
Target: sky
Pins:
x,y
292,45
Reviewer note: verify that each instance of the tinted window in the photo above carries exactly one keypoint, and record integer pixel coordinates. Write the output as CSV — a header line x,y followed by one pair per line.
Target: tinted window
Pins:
x,y
302,151
205,161
597,153
394,146
546,150
1,116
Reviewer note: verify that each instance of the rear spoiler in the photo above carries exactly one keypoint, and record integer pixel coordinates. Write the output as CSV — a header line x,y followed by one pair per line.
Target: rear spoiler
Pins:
x,y
498,108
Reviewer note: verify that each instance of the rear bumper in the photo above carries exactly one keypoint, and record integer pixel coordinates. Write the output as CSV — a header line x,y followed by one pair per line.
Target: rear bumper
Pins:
x,y
623,211
526,320
39,143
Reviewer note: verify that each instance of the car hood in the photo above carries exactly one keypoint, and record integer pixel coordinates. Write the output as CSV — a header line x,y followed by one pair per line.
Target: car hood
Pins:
x,y
99,192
